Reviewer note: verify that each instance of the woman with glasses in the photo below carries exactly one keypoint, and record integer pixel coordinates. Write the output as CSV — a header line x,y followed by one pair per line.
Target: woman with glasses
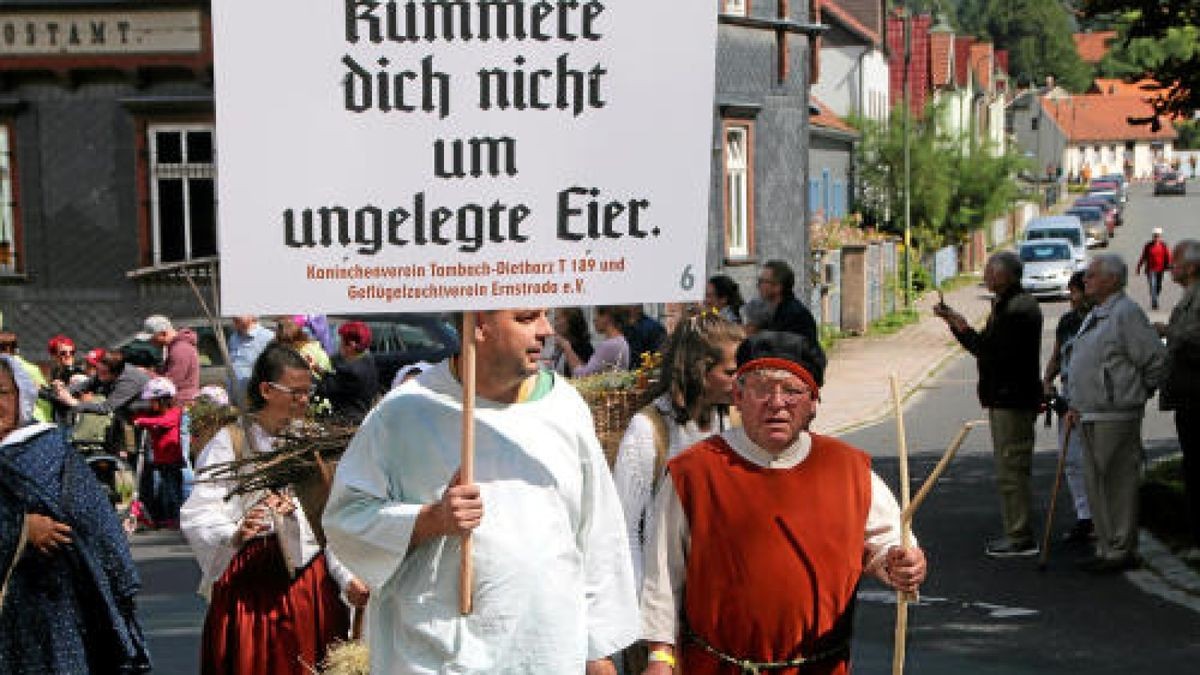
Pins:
x,y
62,368
69,581
274,604
62,356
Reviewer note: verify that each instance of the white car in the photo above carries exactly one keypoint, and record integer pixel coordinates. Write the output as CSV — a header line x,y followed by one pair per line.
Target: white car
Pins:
x,y
1062,227
1049,264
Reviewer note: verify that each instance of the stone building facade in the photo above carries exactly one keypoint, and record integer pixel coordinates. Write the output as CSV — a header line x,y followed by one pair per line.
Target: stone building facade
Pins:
x,y
108,174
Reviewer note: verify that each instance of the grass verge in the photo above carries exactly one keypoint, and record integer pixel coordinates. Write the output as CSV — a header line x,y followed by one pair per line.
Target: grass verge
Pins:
x,y
893,322
1164,507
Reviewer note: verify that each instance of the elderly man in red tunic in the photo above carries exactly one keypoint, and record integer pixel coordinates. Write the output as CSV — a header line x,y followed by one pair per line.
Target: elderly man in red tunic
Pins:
x,y
762,534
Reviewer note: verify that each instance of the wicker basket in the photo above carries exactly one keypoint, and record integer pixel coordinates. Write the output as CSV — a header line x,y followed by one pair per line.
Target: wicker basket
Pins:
x,y
611,412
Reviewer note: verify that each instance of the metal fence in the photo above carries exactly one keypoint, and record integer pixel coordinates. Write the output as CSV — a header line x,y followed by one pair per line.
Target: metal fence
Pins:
x,y
945,265
889,264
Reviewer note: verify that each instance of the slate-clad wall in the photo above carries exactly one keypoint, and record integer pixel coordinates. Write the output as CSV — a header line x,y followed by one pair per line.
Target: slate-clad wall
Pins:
x,y
747,76
76,171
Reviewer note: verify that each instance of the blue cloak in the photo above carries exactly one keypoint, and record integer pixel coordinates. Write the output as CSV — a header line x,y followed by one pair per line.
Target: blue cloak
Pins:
x,y
71,611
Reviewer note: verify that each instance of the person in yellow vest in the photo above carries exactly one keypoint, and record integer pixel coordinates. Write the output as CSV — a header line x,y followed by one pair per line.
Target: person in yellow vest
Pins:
x,y
43,410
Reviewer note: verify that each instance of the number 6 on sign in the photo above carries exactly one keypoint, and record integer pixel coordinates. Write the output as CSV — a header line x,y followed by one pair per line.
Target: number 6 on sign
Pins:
x,y
687,281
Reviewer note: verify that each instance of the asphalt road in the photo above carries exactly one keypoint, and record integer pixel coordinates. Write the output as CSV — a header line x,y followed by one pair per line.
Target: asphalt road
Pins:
x,y
976,615
979,615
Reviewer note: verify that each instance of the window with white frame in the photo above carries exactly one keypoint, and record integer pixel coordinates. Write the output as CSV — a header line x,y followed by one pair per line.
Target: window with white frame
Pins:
x,y
736,7
8,224
183,192
737,190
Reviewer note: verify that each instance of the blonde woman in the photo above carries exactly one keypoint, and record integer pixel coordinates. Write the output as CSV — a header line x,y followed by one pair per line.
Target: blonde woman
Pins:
x,y
691,404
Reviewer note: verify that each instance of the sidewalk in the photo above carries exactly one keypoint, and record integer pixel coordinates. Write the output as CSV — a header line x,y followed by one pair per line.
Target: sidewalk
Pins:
x,y
857,390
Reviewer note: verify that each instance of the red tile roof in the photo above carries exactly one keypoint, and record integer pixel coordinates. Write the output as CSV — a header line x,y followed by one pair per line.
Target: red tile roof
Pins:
x,y
962,60
1096,117
1114,87
918,70
1093,46
828,119
847,21
941,47
1002,60
982,64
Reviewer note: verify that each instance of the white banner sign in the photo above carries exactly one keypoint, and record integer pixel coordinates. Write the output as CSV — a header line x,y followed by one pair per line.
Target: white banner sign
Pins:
x,y
406,155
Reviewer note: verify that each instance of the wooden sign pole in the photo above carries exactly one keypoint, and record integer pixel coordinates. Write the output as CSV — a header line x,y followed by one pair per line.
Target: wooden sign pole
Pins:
x,y
467,464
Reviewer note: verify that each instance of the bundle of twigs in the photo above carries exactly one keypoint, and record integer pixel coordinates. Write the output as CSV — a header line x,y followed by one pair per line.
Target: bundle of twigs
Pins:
x,y
303,460
301,452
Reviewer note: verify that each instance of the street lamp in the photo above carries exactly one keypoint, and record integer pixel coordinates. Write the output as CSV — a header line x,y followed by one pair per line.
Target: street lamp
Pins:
x,y
907,161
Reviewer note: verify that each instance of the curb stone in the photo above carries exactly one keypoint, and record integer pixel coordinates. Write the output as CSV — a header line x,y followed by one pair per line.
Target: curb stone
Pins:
x,y
1163,574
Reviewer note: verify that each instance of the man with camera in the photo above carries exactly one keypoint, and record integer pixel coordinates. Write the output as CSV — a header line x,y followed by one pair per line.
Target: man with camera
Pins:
x,y
1007,351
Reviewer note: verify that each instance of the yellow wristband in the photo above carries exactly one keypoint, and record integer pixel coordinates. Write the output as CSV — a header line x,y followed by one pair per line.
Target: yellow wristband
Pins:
x,y
662,656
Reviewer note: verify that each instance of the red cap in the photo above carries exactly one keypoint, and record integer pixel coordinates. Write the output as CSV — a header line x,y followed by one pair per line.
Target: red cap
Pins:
x,y
356,334
93,357
57,342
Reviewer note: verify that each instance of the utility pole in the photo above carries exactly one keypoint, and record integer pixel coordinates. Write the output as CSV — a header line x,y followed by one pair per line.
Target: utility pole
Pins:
x,y
908,299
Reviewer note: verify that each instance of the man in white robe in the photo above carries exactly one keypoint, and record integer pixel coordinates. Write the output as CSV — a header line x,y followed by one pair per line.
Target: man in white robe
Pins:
x,y
553,584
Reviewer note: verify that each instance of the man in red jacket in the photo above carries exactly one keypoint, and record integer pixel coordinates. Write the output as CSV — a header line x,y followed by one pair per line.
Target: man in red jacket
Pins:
x,y
182,365
1156,260
763,532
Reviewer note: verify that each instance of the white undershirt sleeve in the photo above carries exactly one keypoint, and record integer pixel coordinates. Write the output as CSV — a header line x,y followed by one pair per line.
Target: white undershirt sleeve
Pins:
x,y
667,548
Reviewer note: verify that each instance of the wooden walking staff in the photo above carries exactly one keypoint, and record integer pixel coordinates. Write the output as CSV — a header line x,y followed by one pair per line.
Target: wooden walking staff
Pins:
x,y
1058,476
902,598
467,465
907,514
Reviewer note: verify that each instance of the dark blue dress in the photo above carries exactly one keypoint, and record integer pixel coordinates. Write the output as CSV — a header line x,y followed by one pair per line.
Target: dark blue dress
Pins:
x,y
72,611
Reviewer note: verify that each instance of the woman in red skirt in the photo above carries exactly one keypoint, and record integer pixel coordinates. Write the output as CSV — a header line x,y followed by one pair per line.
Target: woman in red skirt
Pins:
x,y
274,601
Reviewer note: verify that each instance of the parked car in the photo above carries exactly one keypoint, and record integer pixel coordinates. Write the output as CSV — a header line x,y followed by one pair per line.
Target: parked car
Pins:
x,y
1112,215
1170,183
1049,264
396,340
212,363
1122,183
1061,227
399,340
1092,219
1103,185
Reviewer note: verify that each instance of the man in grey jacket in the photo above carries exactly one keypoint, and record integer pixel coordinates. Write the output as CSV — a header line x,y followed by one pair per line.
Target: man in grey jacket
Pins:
x,y
1114,365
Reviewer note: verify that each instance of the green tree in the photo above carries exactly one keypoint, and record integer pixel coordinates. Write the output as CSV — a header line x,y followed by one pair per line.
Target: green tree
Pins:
x,y
1135,57
1037,35
957,186
1172,56
880,164
984,189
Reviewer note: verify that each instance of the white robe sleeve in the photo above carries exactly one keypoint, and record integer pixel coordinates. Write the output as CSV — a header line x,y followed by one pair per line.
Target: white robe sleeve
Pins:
x,y
883,528
633,475
368,529
340,573
611,602
207,520
667,546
